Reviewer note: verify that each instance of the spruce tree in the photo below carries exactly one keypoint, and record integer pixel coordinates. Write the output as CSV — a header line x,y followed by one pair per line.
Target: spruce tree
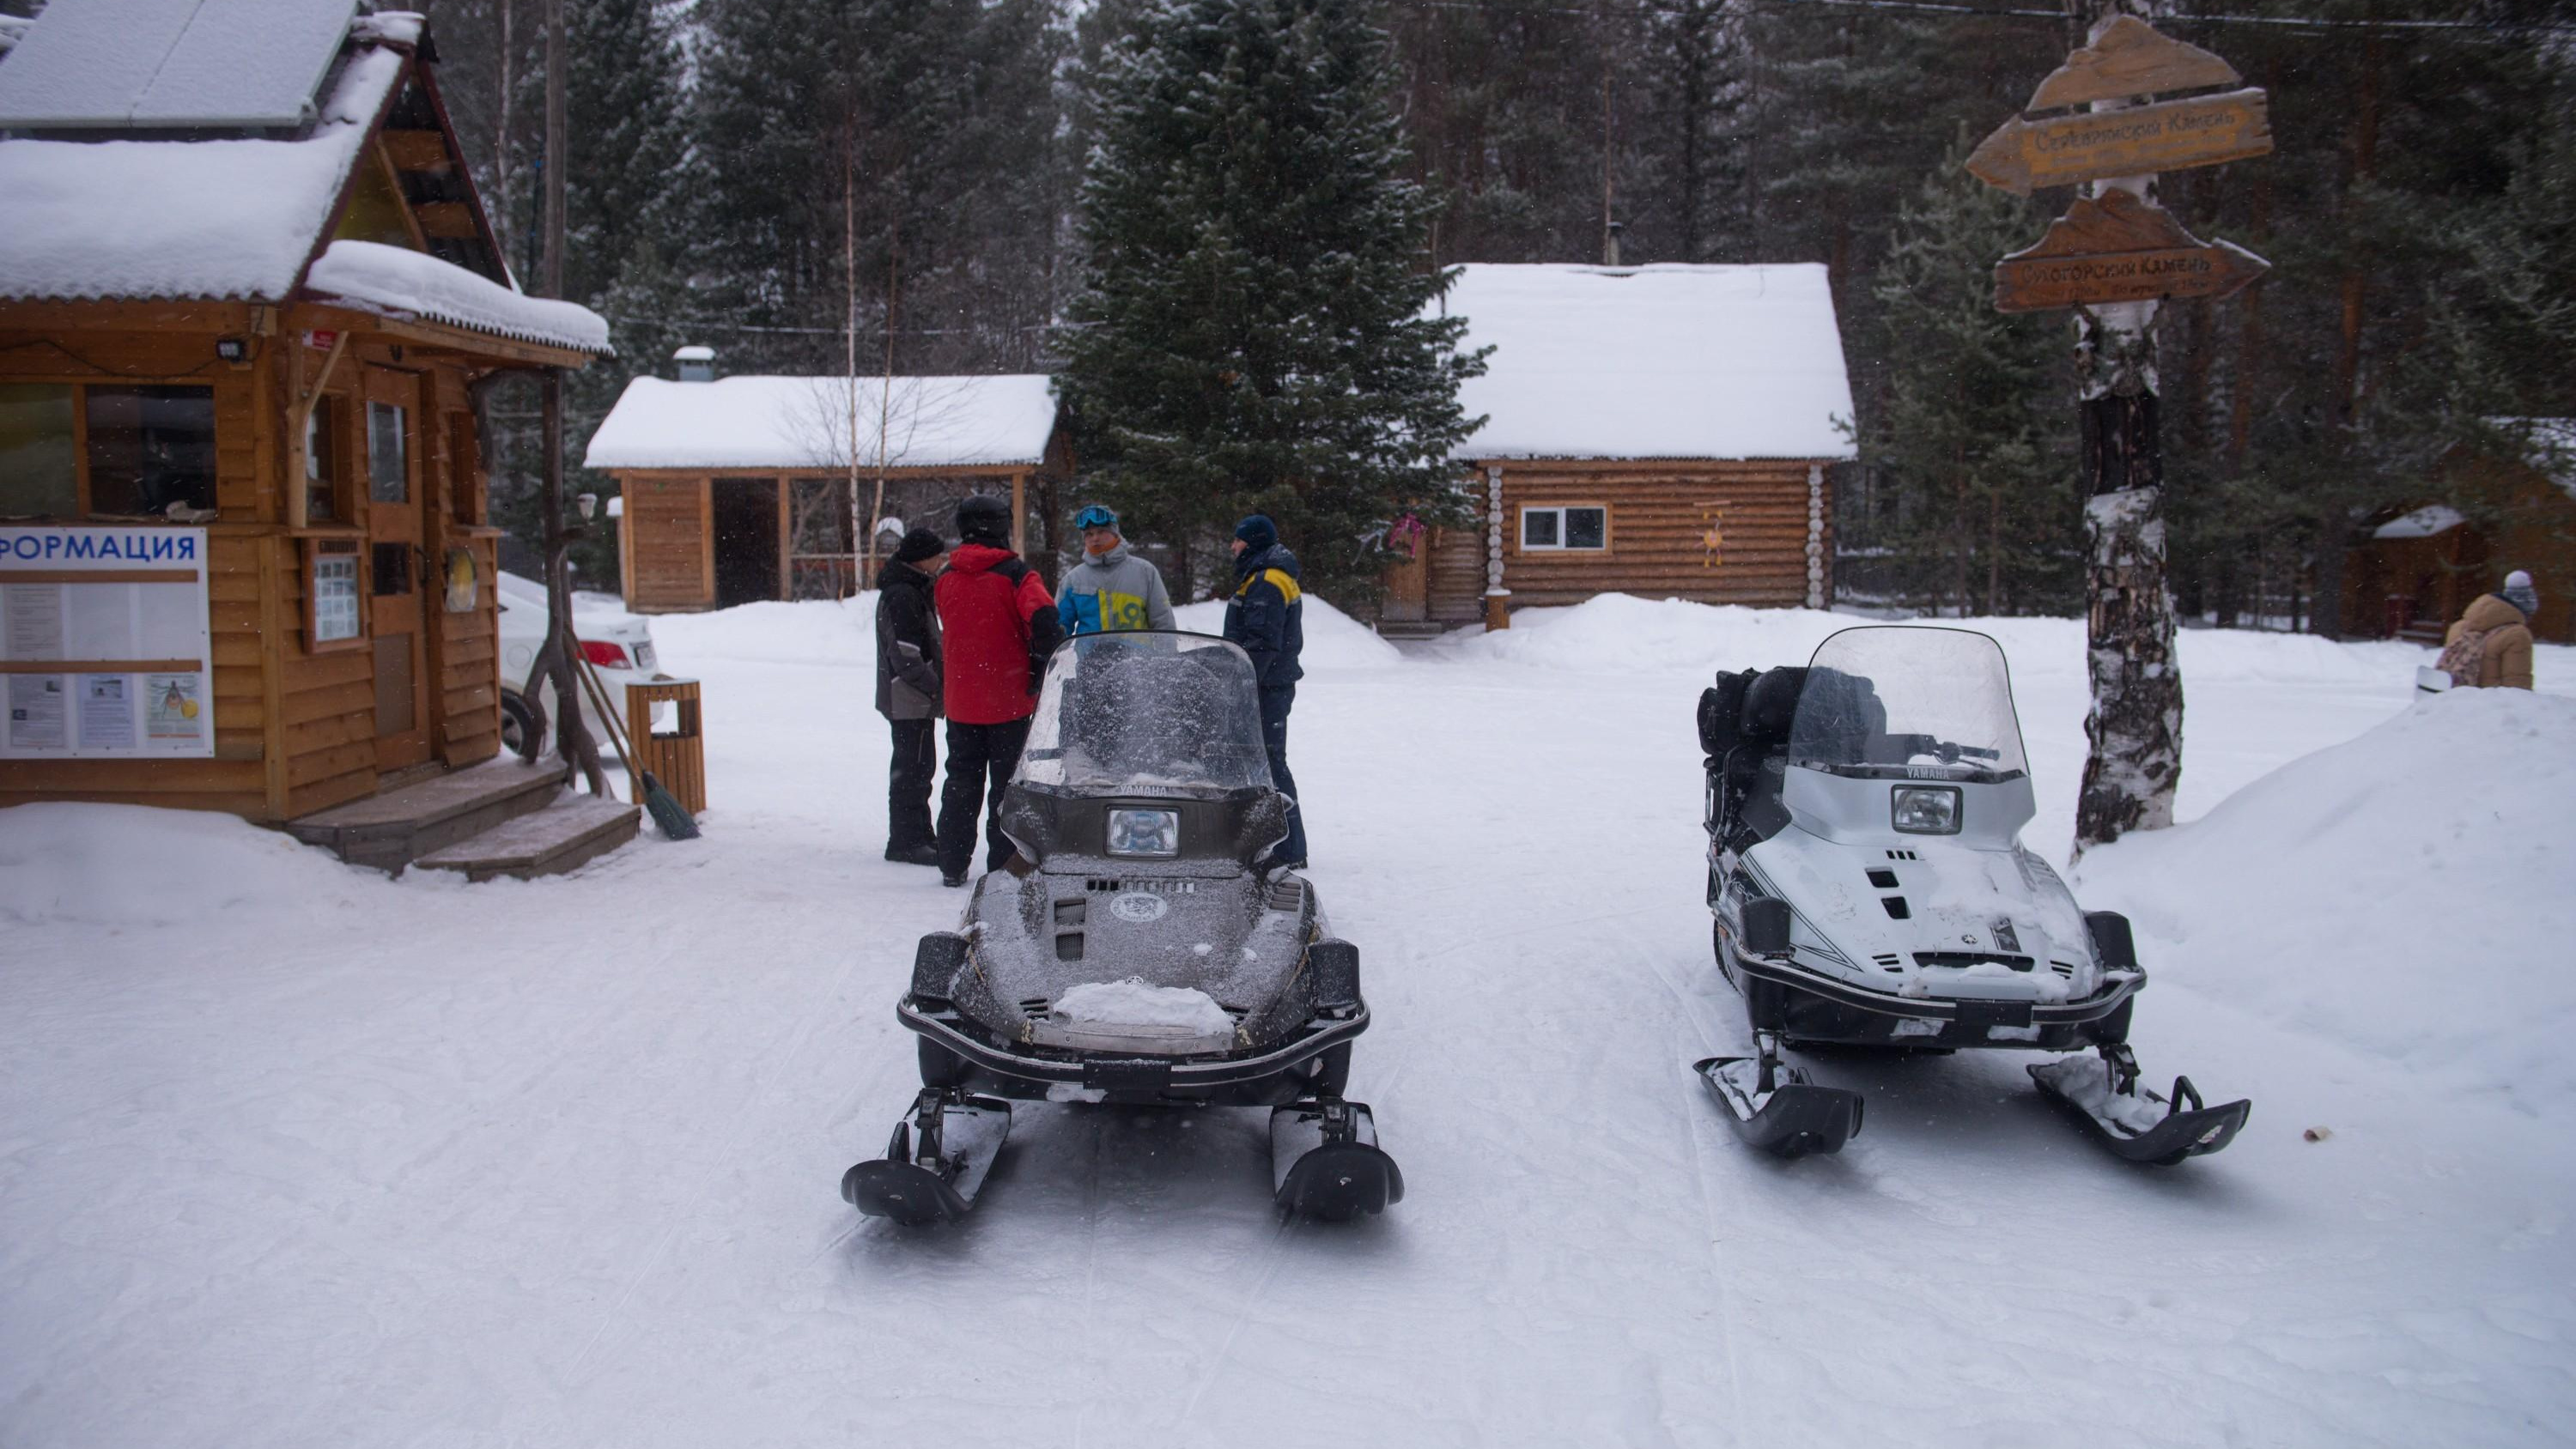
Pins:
x,y
1255,329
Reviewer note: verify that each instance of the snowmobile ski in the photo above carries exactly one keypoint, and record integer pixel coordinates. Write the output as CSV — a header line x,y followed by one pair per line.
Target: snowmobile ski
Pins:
x,y
1792,1117
1325,1162
2104,1094
936,1161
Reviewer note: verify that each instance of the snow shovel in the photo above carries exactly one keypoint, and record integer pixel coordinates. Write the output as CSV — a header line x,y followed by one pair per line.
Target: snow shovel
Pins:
x,y
667,812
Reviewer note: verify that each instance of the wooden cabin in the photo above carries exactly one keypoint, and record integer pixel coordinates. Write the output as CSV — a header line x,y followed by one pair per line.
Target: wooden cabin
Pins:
x,y
246,294
2423,563
738,489
1662,430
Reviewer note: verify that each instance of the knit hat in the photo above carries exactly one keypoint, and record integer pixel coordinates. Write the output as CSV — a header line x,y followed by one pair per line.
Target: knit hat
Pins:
x,y
2518,592
919,544
1257,533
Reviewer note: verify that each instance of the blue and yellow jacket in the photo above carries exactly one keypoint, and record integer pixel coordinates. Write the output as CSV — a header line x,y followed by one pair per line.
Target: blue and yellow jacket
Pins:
x,y
1111,592
1267,614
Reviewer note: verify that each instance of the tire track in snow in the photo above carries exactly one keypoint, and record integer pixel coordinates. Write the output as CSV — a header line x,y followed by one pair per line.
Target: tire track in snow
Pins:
x,y
779,1061
1709,1215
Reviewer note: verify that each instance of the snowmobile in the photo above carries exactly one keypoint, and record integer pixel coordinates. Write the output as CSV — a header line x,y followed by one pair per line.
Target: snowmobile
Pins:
x,y
1139,947
1871,890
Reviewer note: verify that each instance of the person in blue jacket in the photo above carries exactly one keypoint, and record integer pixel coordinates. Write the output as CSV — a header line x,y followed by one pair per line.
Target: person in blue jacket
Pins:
x,y
1266,616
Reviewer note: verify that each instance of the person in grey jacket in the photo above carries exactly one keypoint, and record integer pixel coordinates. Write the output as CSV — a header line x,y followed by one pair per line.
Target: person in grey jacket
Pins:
x,y
908,692
1111,589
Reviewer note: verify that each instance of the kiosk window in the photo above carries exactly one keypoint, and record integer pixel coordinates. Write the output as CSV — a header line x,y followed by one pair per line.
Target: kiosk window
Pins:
x,y
150,447
39,465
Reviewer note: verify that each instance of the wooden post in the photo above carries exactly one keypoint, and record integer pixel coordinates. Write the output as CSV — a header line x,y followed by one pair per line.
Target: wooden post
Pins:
x,y
1020,512
1498,600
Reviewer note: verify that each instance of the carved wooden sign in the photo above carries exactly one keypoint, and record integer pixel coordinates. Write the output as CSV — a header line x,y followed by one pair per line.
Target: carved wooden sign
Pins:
x,y
2167,136
2119,249
2129,58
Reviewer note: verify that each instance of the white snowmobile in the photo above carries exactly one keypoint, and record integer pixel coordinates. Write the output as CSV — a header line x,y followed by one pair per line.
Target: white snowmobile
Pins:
x,y
1139,948
1871,889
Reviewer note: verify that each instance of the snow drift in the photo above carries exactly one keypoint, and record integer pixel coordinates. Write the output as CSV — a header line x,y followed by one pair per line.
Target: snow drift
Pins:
x,y
2405,893
135,866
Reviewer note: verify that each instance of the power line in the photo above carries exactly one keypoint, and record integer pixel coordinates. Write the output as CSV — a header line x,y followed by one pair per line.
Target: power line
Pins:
x,y
2499,28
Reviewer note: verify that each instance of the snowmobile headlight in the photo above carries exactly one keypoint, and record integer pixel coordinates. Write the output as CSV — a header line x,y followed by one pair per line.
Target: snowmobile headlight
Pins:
x,y
1144,832
1927,809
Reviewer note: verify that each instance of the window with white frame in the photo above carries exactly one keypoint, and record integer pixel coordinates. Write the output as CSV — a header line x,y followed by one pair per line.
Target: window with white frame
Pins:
x,y
1580,526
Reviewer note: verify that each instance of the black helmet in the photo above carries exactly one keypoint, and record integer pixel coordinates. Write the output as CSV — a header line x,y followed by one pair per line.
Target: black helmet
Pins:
x,y
983,518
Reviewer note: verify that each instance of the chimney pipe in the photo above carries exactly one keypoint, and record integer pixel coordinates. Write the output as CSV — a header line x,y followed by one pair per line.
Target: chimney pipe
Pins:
x,y
1610,243
697,364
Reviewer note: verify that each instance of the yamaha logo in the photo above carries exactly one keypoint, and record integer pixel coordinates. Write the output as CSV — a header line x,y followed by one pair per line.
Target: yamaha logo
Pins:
x,y
1140,907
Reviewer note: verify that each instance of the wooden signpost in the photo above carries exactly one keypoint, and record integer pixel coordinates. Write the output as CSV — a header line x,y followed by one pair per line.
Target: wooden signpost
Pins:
x,y
2119,249
2166,136
2150,103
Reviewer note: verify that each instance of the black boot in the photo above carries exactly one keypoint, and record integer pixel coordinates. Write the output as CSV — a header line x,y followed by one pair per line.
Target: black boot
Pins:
x,y
913,854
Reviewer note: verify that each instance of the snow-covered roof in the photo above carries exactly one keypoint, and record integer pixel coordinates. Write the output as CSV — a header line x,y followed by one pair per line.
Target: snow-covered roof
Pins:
x,y
804,422
2424,522
119,64
150,215
401,283
1664,361
225,219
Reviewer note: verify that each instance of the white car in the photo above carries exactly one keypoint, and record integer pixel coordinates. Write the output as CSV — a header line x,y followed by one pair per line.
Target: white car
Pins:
x,y
618,644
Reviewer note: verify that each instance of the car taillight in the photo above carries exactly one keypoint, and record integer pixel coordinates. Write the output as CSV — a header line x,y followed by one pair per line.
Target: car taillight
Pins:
x,y
603,653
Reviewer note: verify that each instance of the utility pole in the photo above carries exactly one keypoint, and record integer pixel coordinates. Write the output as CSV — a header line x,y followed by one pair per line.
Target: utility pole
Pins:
x,y
562,655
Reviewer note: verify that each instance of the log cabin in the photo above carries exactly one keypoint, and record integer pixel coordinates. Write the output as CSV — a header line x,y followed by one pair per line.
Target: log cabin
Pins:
x,y
2422,563
1661,430
739,489
247,295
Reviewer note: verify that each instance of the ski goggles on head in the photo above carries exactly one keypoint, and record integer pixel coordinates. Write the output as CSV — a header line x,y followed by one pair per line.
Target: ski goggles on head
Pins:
x,y
1095,516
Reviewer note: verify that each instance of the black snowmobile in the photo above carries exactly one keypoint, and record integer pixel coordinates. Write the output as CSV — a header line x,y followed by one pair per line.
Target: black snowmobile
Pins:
x,y
1871,889
1138,949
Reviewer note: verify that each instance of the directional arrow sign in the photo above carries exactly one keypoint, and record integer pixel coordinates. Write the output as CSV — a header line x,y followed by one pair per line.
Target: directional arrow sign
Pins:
x,y
2165,137
2119,249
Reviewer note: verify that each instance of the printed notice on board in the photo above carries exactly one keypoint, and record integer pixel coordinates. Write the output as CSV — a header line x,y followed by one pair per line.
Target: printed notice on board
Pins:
x,y
87,603
173,710
37,712
34,621
106,712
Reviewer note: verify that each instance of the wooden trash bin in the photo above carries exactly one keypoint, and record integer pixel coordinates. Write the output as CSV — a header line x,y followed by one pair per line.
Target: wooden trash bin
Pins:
x,y
676,753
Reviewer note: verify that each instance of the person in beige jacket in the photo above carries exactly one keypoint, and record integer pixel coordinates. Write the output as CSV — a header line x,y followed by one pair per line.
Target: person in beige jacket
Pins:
x,y
2505,618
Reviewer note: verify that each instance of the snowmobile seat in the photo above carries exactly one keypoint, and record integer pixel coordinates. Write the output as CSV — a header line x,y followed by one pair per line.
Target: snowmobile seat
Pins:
x,y
1771,706
1750,772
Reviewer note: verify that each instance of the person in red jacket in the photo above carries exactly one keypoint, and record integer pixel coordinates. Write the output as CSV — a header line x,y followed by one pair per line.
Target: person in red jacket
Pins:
x,y
997,626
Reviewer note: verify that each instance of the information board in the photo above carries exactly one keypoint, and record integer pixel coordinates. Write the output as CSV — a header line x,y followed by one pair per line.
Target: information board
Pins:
x,y
104,644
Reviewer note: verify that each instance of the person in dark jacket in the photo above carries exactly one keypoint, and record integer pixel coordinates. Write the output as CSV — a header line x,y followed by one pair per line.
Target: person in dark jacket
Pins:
x,y
1266,616
908,691
997,626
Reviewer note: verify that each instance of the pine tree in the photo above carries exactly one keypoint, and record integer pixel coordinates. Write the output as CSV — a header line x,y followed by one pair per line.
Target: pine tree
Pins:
x,y
1253,334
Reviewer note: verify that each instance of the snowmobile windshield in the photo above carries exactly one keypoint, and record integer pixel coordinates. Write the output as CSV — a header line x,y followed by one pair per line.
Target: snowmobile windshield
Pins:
x,y
1147,714
1893,703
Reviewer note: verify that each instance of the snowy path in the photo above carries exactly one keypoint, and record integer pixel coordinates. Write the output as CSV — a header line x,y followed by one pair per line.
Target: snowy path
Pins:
x,y
327,1160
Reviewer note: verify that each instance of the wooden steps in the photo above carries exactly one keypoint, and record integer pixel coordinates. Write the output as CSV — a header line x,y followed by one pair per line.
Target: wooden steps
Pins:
x,y
563,835
497,818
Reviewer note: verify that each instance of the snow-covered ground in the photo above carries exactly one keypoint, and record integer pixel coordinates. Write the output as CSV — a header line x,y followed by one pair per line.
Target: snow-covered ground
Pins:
x,y
291,1154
